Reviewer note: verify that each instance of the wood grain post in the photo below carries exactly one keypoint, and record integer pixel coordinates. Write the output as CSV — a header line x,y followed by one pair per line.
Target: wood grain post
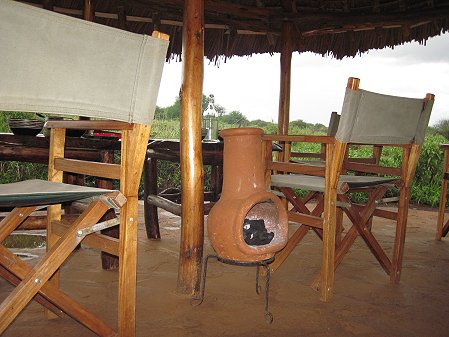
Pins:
x,y
89,10
285,84
150,188
285,80
192,182
133,149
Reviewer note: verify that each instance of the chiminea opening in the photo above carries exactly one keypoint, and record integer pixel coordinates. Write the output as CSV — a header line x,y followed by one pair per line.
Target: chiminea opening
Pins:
x,y
260,224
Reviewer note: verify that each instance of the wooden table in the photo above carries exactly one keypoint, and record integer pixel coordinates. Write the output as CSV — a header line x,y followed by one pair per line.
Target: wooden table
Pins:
x,y
169,150
442,227
34,149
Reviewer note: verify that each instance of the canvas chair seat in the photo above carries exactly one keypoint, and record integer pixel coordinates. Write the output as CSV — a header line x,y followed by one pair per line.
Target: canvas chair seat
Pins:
x,y
38,192
315,183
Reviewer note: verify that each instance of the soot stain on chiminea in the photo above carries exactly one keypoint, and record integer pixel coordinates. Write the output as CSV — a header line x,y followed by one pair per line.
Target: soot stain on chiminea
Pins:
x,y
255,233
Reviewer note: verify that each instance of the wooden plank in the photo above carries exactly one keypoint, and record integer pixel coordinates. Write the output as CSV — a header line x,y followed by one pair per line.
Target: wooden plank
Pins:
x,y
14,280
12,220
192,221
281,256
297,168
104,170
310,220
367,168
165,204
97,241
300,138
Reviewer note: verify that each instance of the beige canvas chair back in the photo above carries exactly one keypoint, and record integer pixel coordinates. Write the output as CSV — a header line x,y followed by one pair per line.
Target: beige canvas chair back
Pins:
x,y
372,118
52,63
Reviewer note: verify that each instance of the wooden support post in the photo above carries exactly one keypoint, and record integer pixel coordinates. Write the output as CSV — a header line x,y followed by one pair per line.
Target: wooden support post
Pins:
x,y
192,183
286,65
89,10
150,188
285,85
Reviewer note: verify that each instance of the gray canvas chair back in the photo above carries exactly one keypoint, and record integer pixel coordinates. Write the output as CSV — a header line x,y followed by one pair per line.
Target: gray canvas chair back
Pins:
x,y
372,118
47,65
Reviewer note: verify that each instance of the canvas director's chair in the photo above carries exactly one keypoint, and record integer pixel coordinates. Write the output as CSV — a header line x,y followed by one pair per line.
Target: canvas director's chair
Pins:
x,y
51,63
367,119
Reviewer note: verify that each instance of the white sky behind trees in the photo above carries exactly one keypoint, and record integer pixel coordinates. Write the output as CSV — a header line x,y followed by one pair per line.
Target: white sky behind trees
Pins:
x,y
251,84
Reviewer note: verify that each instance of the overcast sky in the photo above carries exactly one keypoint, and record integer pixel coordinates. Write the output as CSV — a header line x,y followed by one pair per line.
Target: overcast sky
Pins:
x,y
251,84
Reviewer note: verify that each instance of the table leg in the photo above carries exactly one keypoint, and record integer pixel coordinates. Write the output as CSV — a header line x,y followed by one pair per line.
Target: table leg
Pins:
x,y
150,187
216,180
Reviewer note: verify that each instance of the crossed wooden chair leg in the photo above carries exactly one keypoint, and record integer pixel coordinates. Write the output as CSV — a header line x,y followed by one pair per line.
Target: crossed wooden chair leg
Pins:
x,y
361,217
32,282
442,223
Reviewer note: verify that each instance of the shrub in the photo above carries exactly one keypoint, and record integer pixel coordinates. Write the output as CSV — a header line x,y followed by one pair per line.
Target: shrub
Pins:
x,y
442,127
427,183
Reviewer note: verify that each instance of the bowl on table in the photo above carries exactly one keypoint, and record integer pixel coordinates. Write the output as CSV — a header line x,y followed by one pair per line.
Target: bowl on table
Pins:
x,y
25,127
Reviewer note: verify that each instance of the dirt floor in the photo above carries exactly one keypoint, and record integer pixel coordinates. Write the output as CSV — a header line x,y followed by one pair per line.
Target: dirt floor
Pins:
x,y
365,303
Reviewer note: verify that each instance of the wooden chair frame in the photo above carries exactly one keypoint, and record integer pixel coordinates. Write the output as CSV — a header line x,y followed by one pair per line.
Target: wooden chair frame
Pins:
x,y
442,223
326,216
62,239
41,282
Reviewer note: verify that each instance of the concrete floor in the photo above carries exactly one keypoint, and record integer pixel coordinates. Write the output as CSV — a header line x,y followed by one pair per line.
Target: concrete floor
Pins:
x,y
365,303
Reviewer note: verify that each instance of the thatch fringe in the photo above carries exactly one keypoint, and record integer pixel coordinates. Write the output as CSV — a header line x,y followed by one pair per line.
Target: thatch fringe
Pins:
x,y
243,28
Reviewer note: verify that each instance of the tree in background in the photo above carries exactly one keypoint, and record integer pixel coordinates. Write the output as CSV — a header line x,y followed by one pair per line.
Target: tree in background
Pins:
x,y
442,127
234,118
174,111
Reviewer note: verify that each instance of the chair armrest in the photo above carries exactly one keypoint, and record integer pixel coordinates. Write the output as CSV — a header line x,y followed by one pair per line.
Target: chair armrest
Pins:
x,y
284,165
300,138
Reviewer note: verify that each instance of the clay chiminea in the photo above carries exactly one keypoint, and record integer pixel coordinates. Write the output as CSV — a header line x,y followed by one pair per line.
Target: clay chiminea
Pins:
x,y
244,197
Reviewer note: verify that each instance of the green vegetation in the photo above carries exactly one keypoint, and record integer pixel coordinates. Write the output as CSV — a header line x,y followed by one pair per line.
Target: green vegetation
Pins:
x,y
425,190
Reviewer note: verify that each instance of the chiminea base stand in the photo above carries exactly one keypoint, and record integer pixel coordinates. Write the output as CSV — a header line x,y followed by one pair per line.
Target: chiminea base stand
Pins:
x,y
263,263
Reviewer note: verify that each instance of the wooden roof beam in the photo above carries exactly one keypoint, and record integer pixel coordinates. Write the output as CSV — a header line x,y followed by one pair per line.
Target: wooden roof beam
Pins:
x,y
48,4
289,6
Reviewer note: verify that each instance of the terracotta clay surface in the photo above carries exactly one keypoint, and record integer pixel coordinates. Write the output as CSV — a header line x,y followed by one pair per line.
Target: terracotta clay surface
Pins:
x,y
365,303
244,196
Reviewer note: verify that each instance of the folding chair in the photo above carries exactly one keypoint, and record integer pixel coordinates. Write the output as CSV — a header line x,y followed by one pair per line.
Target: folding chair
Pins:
x,y
442,223
367,118
52,63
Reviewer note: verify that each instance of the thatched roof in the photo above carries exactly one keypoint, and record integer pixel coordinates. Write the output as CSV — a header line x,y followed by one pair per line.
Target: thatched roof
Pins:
x,y
243,27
